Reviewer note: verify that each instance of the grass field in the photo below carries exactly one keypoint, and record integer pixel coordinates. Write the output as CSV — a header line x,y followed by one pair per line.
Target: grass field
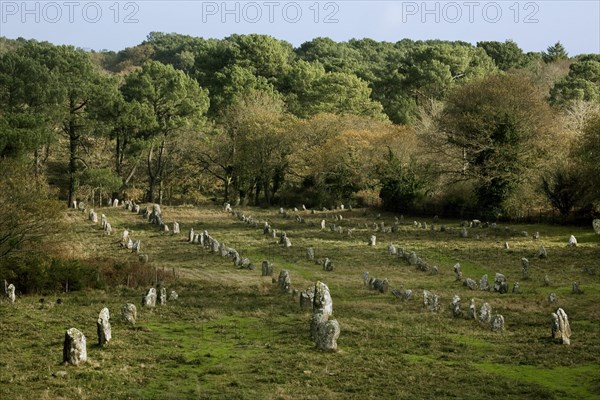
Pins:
x,y
232,334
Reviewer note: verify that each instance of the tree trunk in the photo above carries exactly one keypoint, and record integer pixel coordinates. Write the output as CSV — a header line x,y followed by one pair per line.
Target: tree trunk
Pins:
x,y
151,176
73,181
267,192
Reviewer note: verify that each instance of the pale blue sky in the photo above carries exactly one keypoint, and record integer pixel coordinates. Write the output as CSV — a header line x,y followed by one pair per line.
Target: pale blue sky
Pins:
x,y
114,25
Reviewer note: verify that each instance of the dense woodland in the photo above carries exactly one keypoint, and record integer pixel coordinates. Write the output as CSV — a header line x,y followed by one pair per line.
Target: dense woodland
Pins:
x,y
436,127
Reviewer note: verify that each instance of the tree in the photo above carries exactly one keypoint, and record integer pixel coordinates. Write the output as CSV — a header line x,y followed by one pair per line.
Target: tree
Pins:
x,y
250,153
28,99
564,188
401,183
26,212
310,91
506,55
588,151
581,84
554,53
175,101
500,125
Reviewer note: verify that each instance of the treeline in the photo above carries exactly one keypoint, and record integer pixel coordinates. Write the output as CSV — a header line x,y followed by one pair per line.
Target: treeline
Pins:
x,y
436,126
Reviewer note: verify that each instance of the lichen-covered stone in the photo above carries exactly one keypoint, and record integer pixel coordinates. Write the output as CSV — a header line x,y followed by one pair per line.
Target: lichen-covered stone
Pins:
x,y
284,281
497,323
266,268
456,311
103,327
564,329
74,347
485,313
10,293
149,299
129,313
327,335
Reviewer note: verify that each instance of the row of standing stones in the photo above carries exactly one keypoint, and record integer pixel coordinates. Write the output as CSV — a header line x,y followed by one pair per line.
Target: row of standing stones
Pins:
x,y
324,330
74,345
430,300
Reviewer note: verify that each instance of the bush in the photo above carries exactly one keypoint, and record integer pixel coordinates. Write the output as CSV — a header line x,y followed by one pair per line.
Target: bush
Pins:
x,y
42,274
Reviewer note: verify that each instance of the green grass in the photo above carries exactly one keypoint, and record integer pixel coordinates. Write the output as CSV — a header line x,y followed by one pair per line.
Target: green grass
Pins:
x,y
232,334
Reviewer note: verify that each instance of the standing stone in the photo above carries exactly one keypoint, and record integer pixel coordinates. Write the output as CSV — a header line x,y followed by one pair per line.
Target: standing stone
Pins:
x,y
125,237
74,347
485,313
327,335
516,288
372,240
456,311
103,327
108,228
307,298
497,323
173,295
10,292
564,329
552,298
267,268
191,236
149,299
137,246
284,282
94,217
227,207
366,278
464,233
129,244
163,296
176,228
129,313
555,326
115,203
165,228
198,239
506,246
310,253
327,265
470,283
536,236
457,272
214,246
391,249
546,280
572,241
472,310
576,289
483,283
596,226
525,268
412,258
430,300
223,250
542,253
500,284
322,310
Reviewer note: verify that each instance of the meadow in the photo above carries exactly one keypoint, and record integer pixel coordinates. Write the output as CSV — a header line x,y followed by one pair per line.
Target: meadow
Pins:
x,y
234,334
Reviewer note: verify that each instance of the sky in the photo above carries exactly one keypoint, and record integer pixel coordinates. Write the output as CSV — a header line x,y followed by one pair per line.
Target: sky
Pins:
x,y
115,25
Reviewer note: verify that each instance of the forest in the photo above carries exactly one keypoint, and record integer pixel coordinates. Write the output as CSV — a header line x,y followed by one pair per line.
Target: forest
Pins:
x,y
425,127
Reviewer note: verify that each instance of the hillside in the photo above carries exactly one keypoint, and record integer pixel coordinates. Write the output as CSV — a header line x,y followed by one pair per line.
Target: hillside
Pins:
x,y
234,334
